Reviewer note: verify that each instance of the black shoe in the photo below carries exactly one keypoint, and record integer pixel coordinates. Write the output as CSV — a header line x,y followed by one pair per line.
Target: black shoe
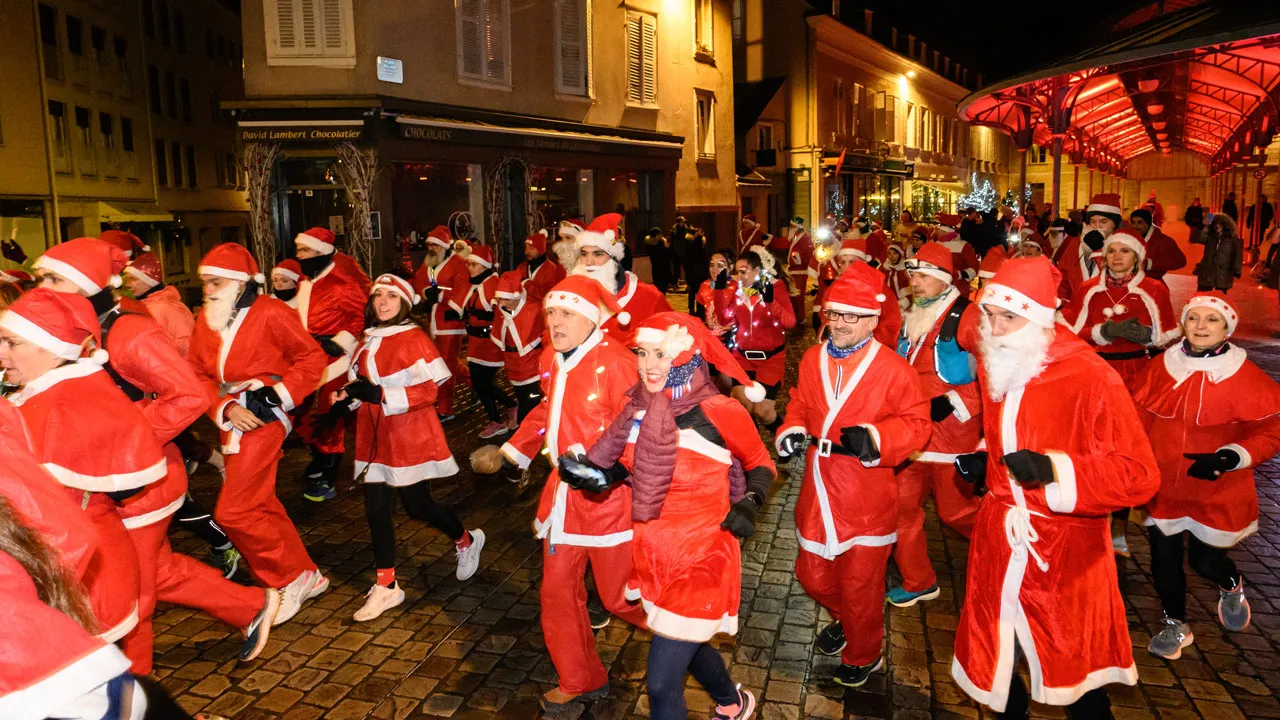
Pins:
x,y
856,675
319,490
830,639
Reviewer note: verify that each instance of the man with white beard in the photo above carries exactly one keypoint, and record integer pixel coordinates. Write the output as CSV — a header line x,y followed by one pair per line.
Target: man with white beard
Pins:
x,y
255,361
1065,447
600,250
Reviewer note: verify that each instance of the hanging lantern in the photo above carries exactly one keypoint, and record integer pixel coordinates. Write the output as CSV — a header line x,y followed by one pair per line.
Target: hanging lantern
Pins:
x,y
1148,85
1155,108
1159,124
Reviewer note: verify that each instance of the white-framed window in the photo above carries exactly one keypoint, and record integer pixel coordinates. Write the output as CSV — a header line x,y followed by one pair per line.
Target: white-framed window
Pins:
x,y
703,13
484,40
573,47
310,32
642,59
85,149
764,136
706,130
58,128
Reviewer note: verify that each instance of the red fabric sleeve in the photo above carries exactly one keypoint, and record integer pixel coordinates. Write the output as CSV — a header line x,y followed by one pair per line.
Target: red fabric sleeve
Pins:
x,y
303,356
741,437
1262,440
528,439
142,354
204,361
904,426
780,310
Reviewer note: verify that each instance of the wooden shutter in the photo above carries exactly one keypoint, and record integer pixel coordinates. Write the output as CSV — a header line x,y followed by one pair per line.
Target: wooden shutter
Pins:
x,y
309,29
635,59
571,46
649,42
285,30
497,30
333,24
470,39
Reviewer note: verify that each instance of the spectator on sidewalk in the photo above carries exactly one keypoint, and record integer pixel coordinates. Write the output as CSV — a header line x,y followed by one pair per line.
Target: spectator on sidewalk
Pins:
x,y
1194,217
1267,213
1223,255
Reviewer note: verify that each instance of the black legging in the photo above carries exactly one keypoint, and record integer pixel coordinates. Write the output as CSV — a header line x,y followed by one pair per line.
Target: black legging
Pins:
x,y
1208,561
484,383
1093,705
193,516
669,660
527,398
379,502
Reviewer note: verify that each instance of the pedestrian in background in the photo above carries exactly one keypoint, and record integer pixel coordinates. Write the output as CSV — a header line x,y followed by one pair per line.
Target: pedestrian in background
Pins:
x,y
1194,217
678,242
1229,206
1223,255
659,262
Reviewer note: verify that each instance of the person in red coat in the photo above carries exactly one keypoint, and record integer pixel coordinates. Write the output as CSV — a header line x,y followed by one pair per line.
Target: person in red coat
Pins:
x,y
130,245
897,282
854,250
1065,448
284,281
761,316
939,339
801,263
400,444
751,234
991,264
442,282
964,259
694,493
145,281
860,407
331,298
484,358
254,360
1078,257
1212,416
539,271
517,330
600,250
1163,254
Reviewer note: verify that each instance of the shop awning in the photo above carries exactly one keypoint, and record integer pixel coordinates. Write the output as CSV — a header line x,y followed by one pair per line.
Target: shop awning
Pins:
x,y
584,139
119,212
750,177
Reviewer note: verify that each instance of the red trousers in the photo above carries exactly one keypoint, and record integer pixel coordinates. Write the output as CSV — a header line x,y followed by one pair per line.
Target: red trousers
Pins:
x,y
450,347
329,439
851,588
957,507
251,514
175,578
566,628
797,306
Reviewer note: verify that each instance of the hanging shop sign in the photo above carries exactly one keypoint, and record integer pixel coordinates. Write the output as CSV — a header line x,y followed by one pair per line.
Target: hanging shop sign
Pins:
x,y
534,139
302,132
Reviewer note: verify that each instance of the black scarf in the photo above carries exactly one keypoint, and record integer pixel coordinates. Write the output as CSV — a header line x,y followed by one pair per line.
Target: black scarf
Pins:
x,y
313,266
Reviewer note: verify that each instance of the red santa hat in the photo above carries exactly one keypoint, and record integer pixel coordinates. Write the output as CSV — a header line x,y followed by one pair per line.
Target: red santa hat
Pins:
x,y
571,228
15,276
586,296
538,241
441,236
88,263
603,233
857,247
317,238
1027,287
482,254
947,221
1217,301
57,322
231,261
1129,238
128,243
683,337
933,259
859,290
145,269
289,269
992,262
397,285
1105,204
750,218
510,285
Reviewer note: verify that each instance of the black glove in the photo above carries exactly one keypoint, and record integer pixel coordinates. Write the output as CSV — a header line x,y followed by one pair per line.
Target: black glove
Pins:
x,y
1111,330
767,293
741,520
790,443
940,407
1031,469
431,295
973,470
11,250
721,280
331,348
1135,332
452,314
1093,239
813,292
1211,466
858,441
581,474
364,391
262,402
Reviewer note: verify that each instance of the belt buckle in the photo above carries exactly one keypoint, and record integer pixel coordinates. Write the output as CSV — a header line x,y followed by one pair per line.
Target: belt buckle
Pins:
x,y
755,355
824,448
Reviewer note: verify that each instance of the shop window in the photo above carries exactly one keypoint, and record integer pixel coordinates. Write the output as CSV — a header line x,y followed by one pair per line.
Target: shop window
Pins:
x,y
561,193
110,157
642,59
49,42
637,196
484,40
124,79
573,47
426,194
706,130
162,163
58,129
307,32
84,142
703,14
126,145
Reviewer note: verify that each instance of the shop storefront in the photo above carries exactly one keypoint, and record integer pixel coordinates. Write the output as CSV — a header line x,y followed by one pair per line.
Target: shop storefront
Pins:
x,y
867,186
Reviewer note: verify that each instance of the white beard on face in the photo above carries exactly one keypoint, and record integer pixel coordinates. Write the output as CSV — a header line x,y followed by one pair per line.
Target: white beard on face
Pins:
x,y
1011,361
219,309
567,253
918,321
606,274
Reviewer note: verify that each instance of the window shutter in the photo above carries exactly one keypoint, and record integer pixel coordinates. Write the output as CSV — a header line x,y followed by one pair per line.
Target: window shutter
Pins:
x,y
286,26
496,31
570,46
650,45
334,25
635,59
309,24
470,35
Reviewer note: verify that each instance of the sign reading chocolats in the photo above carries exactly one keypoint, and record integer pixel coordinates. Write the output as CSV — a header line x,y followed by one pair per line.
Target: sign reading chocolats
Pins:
x,y
302,133
466,136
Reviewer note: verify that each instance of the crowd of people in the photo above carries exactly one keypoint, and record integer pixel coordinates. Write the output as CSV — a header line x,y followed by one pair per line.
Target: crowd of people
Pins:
x,y
1038,386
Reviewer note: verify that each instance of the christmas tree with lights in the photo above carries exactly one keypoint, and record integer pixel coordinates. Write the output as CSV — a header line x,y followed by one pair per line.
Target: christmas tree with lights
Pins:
x,y
981,195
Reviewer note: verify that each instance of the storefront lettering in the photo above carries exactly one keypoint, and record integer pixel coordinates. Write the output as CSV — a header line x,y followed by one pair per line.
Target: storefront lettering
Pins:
x,y
526,142
418,132
287,134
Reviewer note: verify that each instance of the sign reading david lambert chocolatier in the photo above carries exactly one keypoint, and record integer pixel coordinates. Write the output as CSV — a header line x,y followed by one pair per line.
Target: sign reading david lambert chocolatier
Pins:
x,y
287,133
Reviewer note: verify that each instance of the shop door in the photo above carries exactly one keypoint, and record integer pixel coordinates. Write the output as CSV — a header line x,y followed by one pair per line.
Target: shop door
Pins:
x,y
515,221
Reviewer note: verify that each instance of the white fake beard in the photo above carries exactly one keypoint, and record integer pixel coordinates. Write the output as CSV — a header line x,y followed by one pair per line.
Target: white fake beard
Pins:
x,y
220,308
606,274
1011,361
918,321
567,253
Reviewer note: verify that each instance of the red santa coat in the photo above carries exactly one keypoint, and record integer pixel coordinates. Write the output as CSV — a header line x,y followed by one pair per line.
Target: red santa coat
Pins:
x,y
959,432
581,395
825,273
1142,298
518,333
400,441
878,246
1163,254
479,308
452,278
842,502
1075,260
800,262
706,297
265,345
964,262
687,569
898,283
761,330
173,315
1201,405
751,237
332,304
538,282
1040,566
641,301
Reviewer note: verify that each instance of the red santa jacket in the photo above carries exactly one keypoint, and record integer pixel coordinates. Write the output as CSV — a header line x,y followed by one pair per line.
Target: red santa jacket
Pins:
x,y
539,281
1040,563
452,278
479,308
706,297
168,310
1202,405
824,272
800,262
581,395
400,441
897,283
843,502
958,432
641,301
1163,254
890,324
1075,260
272,349
332,305
878,246
1142,298
752,237
518,333
760,326
964,261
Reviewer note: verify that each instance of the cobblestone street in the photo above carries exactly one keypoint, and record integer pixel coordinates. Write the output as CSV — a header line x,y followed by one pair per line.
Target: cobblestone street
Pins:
x,y
475,649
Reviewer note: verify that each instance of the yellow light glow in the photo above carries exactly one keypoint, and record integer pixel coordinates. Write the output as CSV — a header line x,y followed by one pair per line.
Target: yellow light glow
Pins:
x,y
911,73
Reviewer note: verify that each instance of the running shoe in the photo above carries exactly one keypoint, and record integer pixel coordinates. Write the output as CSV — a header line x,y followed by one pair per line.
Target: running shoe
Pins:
x,y
830,639
1233,608
257,632
903,598
228,561
743,710
856,675
469,559
378,600
1174,636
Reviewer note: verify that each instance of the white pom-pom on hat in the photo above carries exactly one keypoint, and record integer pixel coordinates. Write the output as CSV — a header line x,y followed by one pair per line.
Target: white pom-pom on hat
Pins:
x,y
624,317
755,392
99,357
880,297
260,279
116,281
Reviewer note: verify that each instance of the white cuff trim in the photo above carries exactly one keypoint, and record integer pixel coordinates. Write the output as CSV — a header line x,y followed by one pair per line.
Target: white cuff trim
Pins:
x,y
1246,460
1060,495
875,438
960,411
520,459
1096,333
346,341
395,401
783,432
286,400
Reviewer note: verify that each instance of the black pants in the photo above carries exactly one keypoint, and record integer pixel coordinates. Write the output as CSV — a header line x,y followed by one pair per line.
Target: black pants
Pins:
x,y
194,517
484,383
527,398
669,661
379,502
1093,705
1208,561
192,447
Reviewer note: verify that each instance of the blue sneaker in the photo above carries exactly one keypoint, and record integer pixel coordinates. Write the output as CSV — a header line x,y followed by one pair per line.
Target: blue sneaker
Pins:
x,y
319,490
899,597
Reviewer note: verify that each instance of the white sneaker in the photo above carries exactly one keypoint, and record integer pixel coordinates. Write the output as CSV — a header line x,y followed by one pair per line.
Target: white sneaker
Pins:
x,y
469,559
380,600
1120,545
304,587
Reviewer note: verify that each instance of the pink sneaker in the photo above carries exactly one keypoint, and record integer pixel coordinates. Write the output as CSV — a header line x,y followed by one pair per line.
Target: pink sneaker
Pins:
x,y
512,418
493,429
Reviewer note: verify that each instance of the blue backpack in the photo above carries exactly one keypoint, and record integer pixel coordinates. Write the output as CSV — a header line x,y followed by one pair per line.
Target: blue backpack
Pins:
x,y
954,365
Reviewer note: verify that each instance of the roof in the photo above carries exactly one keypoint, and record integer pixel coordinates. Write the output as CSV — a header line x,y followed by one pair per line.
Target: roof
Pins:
x,y
749,101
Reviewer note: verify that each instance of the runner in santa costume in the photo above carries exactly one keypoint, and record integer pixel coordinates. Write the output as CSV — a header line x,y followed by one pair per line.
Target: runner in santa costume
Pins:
x,y
964,260
564,251
484,358
802,263
145,280
600,251
128,243
1075,257
991,264
538,271
1040,584
585,377
704,306
442,282
699,476
1163,254
860,407
254,360
751,234
284,281
854,250
517,331
400,444
1212,416
940,336
331,300
761,315
895,275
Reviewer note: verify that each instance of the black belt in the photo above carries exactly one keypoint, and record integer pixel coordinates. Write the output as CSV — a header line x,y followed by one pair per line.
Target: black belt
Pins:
x,y
827,447
481,331
1131,355
761,354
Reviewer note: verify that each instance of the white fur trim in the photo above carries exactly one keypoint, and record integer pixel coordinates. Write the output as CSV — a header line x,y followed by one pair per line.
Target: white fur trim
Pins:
x,y
650,336
346,341
286,273
842,308
1098,208
122,628
314,243
1060,495
227,273
107,483
37,335
286,399
1209,535
1097,336
1003,296
140,276
875,439
395,401
606,241
1128,241
153,517
78,678
755,392
406,475
70,272
1227,312
679,627
959,410
1246,460
932,271
576,303
520,460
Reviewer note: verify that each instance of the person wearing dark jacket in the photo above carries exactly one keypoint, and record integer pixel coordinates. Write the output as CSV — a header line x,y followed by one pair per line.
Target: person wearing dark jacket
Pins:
x,y
1229,206
1223,255
659,261
1194,217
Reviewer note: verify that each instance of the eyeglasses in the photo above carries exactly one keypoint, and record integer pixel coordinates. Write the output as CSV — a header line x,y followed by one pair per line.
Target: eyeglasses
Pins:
x,y
848,318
